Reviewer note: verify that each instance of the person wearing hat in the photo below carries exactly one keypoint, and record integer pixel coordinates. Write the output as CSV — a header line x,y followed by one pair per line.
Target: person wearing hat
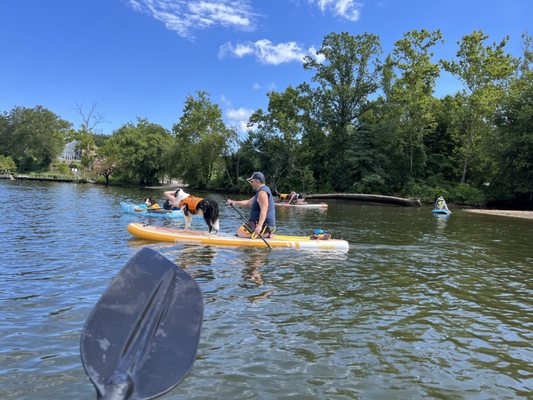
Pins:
x,y
263,214
440,204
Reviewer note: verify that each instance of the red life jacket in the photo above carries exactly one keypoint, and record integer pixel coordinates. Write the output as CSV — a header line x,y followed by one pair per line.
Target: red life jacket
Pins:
x,y
191,203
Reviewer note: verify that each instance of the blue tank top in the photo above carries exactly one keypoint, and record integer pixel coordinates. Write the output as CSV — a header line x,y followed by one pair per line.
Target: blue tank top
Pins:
x,y
256,210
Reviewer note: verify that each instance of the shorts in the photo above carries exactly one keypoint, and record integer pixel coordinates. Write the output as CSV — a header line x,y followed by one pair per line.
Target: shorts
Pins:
x,y
249,229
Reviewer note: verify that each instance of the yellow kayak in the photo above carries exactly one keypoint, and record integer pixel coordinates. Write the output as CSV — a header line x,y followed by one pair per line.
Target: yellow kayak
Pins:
x,y
163,234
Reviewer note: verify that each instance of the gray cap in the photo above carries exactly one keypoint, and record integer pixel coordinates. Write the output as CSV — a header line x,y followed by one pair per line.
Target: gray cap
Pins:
x,y
258,176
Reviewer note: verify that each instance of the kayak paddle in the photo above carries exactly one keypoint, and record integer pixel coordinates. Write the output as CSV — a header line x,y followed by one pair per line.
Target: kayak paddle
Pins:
x,y
140,339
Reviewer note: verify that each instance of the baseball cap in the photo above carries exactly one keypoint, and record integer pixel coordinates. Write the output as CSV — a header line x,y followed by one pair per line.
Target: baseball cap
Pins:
x,y
258,176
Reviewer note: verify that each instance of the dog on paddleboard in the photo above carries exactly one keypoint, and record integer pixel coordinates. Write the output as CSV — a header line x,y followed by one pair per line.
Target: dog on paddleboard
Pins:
x,y
191,205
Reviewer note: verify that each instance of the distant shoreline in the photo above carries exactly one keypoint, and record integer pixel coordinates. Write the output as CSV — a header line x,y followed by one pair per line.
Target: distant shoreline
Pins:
x,y
503,213
350,196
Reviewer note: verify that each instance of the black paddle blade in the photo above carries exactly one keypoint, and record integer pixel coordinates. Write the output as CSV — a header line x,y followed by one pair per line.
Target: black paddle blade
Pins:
x,y
140,339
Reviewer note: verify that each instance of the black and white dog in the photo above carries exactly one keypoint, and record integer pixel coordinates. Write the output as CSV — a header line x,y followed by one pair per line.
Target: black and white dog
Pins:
x,y
191,205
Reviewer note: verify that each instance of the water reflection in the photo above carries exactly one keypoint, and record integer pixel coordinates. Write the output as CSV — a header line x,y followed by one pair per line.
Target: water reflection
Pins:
x,y
255,259
441,221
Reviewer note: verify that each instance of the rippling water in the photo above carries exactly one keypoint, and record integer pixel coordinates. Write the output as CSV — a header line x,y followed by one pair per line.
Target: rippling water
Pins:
x,y
420,307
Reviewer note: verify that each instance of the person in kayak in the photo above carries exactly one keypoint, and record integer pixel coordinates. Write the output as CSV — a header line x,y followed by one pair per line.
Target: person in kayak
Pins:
x,y
263,214
440,204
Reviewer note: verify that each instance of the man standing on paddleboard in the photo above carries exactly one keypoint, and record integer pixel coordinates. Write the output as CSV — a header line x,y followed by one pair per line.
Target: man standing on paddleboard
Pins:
x,y
262,221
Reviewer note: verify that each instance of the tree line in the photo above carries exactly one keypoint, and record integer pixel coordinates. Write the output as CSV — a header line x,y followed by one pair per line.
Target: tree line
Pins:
x,y
364,122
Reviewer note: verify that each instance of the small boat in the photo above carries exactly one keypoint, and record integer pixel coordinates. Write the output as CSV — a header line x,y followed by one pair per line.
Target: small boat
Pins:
x,y
437,211
142,209
303,205
164,234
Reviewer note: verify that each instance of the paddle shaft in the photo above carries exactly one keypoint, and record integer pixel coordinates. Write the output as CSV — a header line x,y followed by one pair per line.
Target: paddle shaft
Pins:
x,y
249,224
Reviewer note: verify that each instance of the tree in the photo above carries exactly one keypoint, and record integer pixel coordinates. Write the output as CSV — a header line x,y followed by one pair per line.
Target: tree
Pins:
x,y
344,81
33,137
104,166
137,151
513,145
412,93
7,165
278,135
86,135
201,141
484,72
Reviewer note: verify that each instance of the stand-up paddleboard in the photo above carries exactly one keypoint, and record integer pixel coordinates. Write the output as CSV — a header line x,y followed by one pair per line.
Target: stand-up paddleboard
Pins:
x,y
440,212
141,209
163,234
303,205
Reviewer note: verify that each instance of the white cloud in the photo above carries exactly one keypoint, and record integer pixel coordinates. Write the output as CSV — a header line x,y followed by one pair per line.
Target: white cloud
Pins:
x,y
266,52
184,16
238,118
347,9
269,87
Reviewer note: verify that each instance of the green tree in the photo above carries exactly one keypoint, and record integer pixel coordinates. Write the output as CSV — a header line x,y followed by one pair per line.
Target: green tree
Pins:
x,y
277,140
4,133
7,165
440,144
201,142
345,78
137,151
484,72
33,137
412,94
513,144
87,148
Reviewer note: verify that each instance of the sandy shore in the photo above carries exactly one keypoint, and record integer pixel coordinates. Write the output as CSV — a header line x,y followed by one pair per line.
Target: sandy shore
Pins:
x,y
505,213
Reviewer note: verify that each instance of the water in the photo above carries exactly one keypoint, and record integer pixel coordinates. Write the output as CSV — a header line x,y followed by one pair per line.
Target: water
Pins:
x,y
420,307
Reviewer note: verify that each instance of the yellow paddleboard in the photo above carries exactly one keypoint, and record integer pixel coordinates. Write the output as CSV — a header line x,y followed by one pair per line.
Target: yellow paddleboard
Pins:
x,y
163,234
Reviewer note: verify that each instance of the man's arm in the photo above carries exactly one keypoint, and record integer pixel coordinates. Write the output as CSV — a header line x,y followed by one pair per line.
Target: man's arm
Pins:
x,y
170,195
241,203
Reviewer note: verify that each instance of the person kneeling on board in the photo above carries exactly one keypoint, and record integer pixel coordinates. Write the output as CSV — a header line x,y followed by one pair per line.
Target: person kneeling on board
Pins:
x,y
262,220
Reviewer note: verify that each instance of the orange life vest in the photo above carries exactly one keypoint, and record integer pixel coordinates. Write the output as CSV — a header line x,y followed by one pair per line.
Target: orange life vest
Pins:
x,y
191,203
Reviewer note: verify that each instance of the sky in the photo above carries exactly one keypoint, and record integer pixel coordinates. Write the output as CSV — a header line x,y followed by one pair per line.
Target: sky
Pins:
x,y
127,59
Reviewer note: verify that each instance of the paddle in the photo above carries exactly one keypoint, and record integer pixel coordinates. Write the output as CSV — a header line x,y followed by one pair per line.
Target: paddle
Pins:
x,y
140,339
249,225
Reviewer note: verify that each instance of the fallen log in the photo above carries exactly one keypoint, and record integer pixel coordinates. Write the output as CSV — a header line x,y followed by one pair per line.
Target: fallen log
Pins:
x,y
375,198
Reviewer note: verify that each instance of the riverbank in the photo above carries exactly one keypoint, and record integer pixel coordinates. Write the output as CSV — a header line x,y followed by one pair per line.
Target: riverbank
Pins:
x,y
504,213
42,178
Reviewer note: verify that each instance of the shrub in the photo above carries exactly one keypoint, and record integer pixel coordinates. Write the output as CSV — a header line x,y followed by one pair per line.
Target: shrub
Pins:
x,y
466,194
426,193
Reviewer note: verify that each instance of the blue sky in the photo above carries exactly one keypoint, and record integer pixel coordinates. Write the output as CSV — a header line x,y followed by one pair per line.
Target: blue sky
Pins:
x,y
141,58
